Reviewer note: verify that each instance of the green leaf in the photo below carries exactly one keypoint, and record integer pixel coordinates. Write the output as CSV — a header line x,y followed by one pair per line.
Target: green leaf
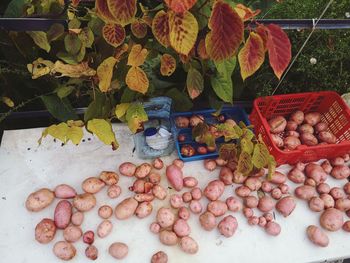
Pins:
x,y
72,44
128,96
271,167
55,32
135,116
103,130
99,108
64,91
229,132
74,24
16,8
247,145
245,165
75,134
226,67
181,101
96,25
60,109
261,156
57,131
121,109
81,55
67,58
194,83
86,36
40,39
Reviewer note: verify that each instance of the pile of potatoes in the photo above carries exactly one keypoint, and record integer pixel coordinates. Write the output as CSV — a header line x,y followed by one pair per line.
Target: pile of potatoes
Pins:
x,y
300,129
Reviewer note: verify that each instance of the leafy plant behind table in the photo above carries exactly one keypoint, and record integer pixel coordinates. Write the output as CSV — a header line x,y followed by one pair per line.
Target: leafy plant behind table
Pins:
x,y
123,51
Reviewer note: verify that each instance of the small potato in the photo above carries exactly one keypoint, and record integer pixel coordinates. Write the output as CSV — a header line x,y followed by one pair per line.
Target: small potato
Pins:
x,y
253,221
144,209
214,190
276,193
266,204
284,188
179,163
308,139
144,197
273,228
323,188
188,245
154,178
186,197
207,221
262,221
317,236
286,205
181,137
305,192
196,193
195,207
277,140
248,212
104,228
217,208
165,217
291,126
92,185
154,228
181,228
126,208
332,219
253,183
292,134
297,116
182,122
296,176
187,150
168,238
320,127
190,182
266,186
84,202
176,201
109,178
226,175
221,162
91,252
251,201
202,150
312,118
157,163
89,237
64,250
340,172
346,226
210,165
278,178
326,166
242,191
105,211
306,128
196,119
327,137
337,193
63,214
346,188
233,204
268,216
45,231
64,191
277,124
184,213
39,200
72,233
148,187
118,250
114,191
337,161
138,186
159,192
175,177
143,170
159,257
328,200
228,226
238,178
316,204
315,172
310,182
77,218
127,169
342,204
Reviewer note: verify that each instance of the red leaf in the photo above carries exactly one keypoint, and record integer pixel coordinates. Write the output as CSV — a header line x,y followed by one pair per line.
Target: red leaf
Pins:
x,y
139,29
103,11
279,48
262,32
180,6
201,49
245,12
226,32
114,34
160,28
123,11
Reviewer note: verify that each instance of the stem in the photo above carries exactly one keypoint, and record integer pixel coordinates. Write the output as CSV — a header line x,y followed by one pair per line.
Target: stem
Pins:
x,y
202,5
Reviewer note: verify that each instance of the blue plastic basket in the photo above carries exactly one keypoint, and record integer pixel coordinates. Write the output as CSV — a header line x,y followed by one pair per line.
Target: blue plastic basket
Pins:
x,y
234,112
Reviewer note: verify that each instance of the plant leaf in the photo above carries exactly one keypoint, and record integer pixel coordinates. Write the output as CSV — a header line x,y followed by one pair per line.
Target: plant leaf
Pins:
x,y
103,130
194,83
55,32
40,39
167,65
135,116
245,12
139,28
60,109
180,99
72,44
202,50
64,91
103,12
180,6
73,71
59,131
245,165
86,37
261,156
105,73
136,79
137,55
123,11
247,145
228,151
271,167
75,134
120,109
114,34
228,131
160,28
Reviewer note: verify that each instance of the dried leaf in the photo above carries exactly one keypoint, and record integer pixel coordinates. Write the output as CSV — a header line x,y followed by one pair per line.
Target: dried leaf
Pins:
x,y
8,102
73,71
180,6
167,65
136,79
120,51
114,34
160,28
137,55
245,12
40,67
245,165
228,151
123,11
103,130
139,28
105,73
194,83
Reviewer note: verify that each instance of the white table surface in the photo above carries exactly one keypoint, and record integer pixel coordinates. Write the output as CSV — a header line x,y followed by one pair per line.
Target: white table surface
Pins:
x,y
26,167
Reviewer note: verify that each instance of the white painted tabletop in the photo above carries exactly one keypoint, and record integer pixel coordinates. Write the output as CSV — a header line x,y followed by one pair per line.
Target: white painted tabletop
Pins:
x,y
26,167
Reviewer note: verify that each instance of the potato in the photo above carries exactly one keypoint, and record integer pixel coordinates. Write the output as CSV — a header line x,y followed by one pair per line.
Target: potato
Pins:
x,y
154,228
346,226
238,178
323,188
337,193
91,252
214,190
340,172
92,185
310,182
233,204
63,213
126,208
45,231
217,208
277,140
332,219
190,182
138,186
320,127
248,212
39,200
308,139
176,201
328,200
118,250
181,228
165,217
277,124
296,176
251,201
253,221
143,170
228,226
196,119
326,166
306,128
291,126
242,191
89,237
186,197
342,204
104,228
221,162
114,191
207,221
317,236
337,161
159,257
297,116
168,238
327,137
159,192
346,188
64,250
148,187
273,228
210,165
253,183
266,186
315,172
305,192
144,209
262,221
312,118
195,207
105,211
316,204
179,163
284,188
188,245
127,169
286,205
196,193
109,178
266,204
292,134
276,193
258,173
202,150
184,213
64,191
226,175
175,177
77,218
84,202
157,163
278,178
182,122
72,233
181,137
268,216
187,150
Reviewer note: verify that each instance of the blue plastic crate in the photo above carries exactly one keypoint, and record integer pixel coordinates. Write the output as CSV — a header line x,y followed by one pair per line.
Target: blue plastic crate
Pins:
x,y
234,112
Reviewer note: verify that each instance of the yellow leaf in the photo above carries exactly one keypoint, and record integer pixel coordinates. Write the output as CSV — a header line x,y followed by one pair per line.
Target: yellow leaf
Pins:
x,y
167,65
137,80
73,71
40,67
8,102
77,123
137,56
121,109
135,116
58,131
75,134
103,130
105,73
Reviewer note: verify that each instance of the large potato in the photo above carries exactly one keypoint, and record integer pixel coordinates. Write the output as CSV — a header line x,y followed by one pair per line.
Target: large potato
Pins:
x,y
312,118
45,231
64,250
305,192
227,226
92,185
64,191
308,139
328,200
214,190
127,169
165,217
317,236
63,214
332,219
217,208
340,172
320,127
188,245
144,209
291,142
315,172
207,221
242,191
118,250
143,170
168,238
126,208
84,202
316,204
291,126
343,204
306,128
337,193
277,124
72,233
323,188
109,178
104,228
159,257
39,200
251,201
286,205
175,177
278,178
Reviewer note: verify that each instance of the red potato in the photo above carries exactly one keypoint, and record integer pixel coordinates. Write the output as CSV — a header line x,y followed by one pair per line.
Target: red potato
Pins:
x,y
72,233
316,204
168,238
228,226
305,192
127,169
165,217
181,228
159,257
326,166
77,218
109,178
64,250
277,140
251,201
144,197
291,142
266,186
284,188
159,192
337,161
179,163
346,188
298,117
337,193
176,201
175,177
105,211
187,150
308,139
226,175
89,237
273,228
39,200
184,213
221,162
292,134
233,204
126,208
84,202
340,172
144,209
214,190
45,231
300,166
63,213
317,236
262,221
296,176
114,191
306,128
327,137
104,228
210,165
154,178
266,204
253,221
342,204
332,219
196,207
154,228
202,150
346,226
346,157
277,124
248,212
157,163
187,197
320,127
188,245
143,170
238,178
278,178
253,183
276,193
286,205
291,126
312,118
196,193
196,119
148,187
138,187
217,208
310,182
181,138
91,252
207,221
242,191
64,191
190,182
118,250
328,200
323,188
182,122
92,185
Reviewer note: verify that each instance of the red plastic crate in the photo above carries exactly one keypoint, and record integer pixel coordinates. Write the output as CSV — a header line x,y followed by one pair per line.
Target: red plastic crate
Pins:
x,y
334,112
